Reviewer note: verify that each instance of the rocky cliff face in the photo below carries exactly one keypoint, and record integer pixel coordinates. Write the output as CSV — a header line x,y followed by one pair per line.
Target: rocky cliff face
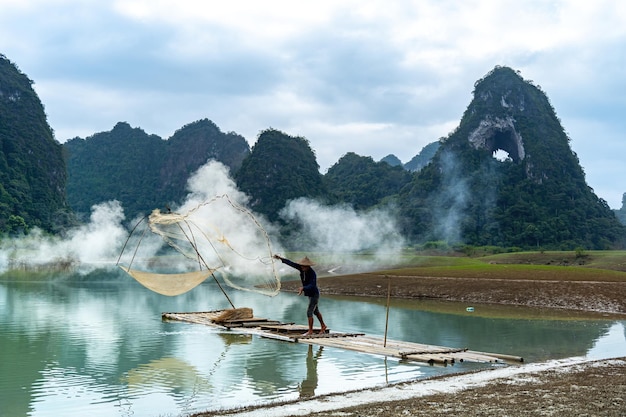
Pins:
x,y
493,134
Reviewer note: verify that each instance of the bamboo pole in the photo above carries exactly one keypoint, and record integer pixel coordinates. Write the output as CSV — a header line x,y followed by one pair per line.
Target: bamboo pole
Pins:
x,y
387,316
502,356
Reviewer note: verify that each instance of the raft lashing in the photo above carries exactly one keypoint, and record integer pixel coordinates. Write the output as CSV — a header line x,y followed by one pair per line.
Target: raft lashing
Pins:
x,y
244,322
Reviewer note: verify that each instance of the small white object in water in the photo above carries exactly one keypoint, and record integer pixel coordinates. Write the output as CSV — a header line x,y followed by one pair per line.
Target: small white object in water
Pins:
x,y
470,309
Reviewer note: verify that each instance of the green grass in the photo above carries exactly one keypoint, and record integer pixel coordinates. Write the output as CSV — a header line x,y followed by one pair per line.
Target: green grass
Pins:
x,y
591,266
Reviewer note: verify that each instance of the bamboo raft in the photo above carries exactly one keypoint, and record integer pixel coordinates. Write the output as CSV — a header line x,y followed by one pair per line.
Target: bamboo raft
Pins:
x,y
359,342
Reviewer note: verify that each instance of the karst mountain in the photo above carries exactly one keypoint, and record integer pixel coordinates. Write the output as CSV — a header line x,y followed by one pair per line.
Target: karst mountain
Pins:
x,y
534,194
506,176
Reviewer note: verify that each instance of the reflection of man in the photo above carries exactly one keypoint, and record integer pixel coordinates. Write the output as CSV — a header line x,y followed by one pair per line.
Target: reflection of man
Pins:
x,y
308,385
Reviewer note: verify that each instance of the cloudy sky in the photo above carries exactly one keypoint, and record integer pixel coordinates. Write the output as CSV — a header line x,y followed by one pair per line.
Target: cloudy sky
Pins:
x,y
371,77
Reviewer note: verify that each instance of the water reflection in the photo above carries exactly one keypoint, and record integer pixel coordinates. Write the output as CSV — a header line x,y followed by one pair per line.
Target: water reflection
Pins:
x,y
613,340
75,345
309,384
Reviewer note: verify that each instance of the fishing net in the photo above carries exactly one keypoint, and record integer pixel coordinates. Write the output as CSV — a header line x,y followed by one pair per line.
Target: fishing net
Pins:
x,y
169,284
221,238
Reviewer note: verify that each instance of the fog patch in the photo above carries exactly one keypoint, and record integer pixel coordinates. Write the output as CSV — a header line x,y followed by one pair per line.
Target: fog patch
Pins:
x,y
101,241
451,201
341,233
95,243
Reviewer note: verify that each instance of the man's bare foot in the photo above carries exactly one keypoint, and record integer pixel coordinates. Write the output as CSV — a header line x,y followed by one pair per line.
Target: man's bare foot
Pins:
x,y
324,329
309,333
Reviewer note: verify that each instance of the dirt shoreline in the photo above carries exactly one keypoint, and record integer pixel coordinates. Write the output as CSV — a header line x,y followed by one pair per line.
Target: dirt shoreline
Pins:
x,y
591,296
573,386
568,387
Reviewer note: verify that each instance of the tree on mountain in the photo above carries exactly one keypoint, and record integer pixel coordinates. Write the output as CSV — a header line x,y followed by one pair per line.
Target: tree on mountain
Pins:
x,y
363,183
278,169
143,171
32,171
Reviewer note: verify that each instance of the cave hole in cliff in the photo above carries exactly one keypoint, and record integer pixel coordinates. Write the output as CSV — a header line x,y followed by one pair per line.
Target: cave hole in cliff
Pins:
x,y
501,155
503,145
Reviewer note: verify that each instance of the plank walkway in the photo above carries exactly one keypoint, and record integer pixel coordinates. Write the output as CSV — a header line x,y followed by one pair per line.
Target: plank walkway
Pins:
x,y
359,342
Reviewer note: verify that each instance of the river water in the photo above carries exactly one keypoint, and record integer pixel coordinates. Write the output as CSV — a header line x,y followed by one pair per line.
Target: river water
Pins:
x,y
95,344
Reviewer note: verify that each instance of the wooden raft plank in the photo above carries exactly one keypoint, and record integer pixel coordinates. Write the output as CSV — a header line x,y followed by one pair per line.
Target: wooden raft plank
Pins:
x,y
326,336
287,328
268,335
508,358
430,351
359,342
247,323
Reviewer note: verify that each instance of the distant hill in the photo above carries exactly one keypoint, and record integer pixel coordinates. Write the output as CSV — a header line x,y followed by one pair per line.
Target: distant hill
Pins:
x,y
621,213
363,183
416,163
32,172
536,198
143,171
278,169
392,160
423,158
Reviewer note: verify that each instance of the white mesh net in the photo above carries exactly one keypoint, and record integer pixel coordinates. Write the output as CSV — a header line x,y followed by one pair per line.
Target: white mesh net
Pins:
x,y
169,284
218,235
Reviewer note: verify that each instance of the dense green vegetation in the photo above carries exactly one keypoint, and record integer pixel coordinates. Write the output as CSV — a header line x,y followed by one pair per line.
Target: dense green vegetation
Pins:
x,y
143,171
122,165
32,173
363,183
279,168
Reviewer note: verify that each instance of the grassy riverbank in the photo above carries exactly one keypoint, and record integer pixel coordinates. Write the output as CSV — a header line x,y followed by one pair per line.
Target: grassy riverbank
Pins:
x,y
607,266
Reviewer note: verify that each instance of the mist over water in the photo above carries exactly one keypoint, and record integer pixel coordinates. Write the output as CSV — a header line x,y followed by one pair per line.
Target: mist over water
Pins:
x,y
78,346
319,228
90,245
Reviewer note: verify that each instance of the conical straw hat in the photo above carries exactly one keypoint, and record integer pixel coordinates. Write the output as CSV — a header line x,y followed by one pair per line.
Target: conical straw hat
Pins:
x,y
306,261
